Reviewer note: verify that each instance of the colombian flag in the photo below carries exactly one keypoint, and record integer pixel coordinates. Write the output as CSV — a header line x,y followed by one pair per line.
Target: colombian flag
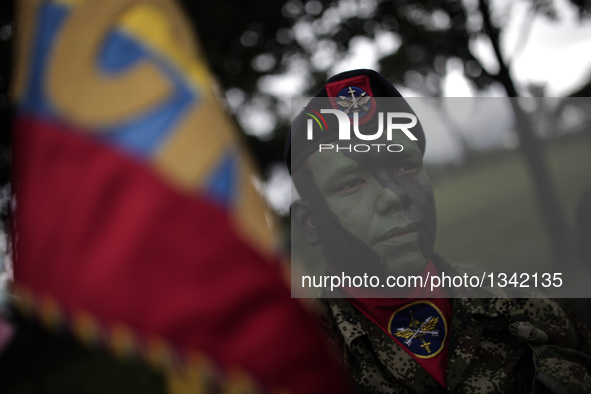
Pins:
x,y
137,222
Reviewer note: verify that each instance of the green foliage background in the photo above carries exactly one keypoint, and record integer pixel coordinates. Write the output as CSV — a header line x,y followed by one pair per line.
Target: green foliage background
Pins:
x,y
487,212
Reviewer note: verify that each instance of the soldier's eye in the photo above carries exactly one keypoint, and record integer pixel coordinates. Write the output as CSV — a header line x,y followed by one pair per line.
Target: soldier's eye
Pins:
x,y
351,186
407,169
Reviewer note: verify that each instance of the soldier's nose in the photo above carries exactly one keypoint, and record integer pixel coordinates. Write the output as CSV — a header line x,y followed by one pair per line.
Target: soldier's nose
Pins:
x,y
392,197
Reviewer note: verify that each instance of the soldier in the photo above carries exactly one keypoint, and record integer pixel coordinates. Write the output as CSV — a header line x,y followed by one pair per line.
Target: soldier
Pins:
x,y
367,200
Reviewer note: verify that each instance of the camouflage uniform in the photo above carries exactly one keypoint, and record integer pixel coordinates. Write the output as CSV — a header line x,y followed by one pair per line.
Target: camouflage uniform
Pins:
x,y
484,356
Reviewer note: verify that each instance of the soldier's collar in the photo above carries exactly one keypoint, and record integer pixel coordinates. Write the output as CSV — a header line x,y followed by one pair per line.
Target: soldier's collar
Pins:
x,y
346,318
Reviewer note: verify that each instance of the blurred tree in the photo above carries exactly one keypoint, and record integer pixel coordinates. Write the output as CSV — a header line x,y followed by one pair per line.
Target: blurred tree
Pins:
x,y
430,33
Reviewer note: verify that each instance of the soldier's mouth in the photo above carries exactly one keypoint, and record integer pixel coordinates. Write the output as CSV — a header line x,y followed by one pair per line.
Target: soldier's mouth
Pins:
x,y
398,235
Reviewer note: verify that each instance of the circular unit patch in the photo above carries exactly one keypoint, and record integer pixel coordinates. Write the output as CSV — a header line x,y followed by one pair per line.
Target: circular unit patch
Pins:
x,y
420,327
354,99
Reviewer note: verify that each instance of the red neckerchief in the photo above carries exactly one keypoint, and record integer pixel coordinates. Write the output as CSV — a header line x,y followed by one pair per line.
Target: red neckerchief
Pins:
x,y
424,336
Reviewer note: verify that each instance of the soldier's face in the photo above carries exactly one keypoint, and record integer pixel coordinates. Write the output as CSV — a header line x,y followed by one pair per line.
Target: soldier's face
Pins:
x,y
384,199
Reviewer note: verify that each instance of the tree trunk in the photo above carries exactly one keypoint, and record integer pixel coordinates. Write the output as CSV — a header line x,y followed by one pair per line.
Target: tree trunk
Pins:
x,y
548,202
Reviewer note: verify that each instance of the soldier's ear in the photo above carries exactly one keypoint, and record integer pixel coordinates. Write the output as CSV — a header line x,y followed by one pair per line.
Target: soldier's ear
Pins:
x,y
302,214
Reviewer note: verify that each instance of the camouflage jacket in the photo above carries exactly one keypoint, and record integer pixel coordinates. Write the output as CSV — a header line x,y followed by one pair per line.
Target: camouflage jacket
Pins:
x,y
484,357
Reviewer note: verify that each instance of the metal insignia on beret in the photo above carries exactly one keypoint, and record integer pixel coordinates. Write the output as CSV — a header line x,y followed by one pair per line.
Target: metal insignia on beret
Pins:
x,y
420,327
354,99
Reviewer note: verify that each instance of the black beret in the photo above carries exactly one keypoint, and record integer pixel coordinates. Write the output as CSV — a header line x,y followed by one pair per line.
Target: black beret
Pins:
x,y
357,82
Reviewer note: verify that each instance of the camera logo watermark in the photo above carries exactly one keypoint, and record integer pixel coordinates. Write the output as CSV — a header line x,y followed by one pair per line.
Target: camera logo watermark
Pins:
x,y
348,117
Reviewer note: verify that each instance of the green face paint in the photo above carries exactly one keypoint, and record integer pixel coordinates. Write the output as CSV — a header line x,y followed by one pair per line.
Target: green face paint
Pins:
x,y
383,199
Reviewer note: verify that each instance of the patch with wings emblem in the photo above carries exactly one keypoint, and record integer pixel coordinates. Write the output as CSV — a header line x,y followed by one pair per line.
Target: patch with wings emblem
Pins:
x,y
354,99
353,95
420,327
